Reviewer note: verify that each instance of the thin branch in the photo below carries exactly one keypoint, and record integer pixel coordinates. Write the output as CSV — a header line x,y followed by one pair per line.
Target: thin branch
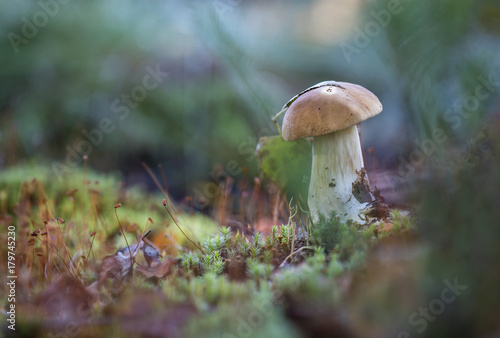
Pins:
x,y
294,253
123,233
189,239
275,118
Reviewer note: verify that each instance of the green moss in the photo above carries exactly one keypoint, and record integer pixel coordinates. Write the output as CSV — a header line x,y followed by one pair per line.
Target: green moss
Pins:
x,y
338,237
287,164
76,188
203,279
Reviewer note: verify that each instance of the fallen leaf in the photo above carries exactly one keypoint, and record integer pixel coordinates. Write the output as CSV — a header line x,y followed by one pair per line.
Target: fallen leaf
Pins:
x,y
160,270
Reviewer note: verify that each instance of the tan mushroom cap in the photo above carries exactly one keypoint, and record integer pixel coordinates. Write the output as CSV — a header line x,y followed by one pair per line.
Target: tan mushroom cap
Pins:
x,y
328,107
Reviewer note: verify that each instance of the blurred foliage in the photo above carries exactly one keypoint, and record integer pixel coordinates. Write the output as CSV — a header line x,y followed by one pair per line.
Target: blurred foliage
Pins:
x,y
286,164
66,79
459,223
32,196
440,50
230,66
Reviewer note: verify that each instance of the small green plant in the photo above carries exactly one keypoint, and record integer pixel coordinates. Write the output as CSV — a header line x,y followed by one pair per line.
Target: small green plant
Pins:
x,y
257,240
269,241
268,256
401,221
258,271
254,252
285,234
338,237
231,253
191,264
213,262
317,258
244,247
335,267
274,233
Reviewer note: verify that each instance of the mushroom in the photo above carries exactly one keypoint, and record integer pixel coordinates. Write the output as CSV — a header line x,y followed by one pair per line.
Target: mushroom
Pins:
x,y
329,112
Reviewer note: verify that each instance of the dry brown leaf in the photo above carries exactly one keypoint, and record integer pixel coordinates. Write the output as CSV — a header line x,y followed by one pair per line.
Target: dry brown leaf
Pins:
x,y
160,270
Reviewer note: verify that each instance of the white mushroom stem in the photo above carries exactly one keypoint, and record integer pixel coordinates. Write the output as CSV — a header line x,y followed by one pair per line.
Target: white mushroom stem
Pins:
x,y
336,157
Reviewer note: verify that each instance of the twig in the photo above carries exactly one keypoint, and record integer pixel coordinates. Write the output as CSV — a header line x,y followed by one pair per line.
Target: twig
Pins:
x,y
275,118
293,210
294,253
90,250
123,233
304,225
165,192
57,253
189,239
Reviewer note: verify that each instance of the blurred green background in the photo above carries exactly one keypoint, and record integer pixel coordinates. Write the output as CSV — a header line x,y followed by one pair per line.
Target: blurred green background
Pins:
x,y
231,64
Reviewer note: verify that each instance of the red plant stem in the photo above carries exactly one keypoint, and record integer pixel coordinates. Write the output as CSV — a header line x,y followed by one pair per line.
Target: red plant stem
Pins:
x,y
61,238
165,192
222,204
123,233
88,253
257,199
57,253
189,239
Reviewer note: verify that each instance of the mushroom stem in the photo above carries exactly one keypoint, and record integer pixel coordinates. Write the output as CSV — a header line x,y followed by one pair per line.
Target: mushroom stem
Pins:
x,y
336,157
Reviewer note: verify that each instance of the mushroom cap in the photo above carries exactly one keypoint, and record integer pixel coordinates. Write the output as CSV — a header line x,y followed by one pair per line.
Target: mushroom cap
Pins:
x,y
327,107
